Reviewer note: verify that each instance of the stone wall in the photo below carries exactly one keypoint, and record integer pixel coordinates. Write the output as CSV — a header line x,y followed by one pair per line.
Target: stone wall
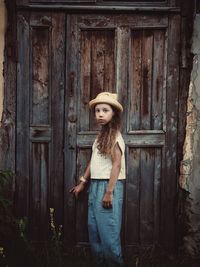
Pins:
x,y
190,166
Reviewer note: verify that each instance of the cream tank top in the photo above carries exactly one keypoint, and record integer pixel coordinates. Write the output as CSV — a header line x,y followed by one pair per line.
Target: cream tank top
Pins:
x,y
100,165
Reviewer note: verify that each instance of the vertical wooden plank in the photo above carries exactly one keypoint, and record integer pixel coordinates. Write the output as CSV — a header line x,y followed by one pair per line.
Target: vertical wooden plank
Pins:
x,y
35,190
135,80
57,114
22,125
146,196
169,184
85,79
97,70
132,215
156,194
158,73
121,68
70,129
146,98
44,191
109,63
40,75
97,45
83,158
164,91
38,215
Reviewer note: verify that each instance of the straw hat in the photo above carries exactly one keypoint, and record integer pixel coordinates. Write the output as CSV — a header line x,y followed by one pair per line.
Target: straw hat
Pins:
x,y
107,98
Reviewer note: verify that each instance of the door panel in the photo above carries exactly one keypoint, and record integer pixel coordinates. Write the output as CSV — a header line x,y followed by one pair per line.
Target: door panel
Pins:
x,y
97,69
146,68
143,195
40,114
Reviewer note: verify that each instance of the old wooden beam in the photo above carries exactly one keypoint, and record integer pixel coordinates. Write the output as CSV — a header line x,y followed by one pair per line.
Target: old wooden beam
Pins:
x,y
77,8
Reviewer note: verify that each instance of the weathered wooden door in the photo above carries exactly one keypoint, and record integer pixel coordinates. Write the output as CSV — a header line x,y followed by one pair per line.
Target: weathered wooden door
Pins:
x,y
40,119
64,61
137,57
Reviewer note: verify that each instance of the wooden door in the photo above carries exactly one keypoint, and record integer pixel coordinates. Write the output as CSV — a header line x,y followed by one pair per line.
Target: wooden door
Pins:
x,y
137,57
64,61
40,119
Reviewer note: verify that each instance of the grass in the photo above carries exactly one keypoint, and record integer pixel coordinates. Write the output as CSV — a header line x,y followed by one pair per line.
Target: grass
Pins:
x,y
16,250
167,261
46,254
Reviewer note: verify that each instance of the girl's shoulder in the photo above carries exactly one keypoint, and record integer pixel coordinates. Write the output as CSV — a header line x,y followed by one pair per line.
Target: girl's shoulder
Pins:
x,y
120,142
95,142
119,138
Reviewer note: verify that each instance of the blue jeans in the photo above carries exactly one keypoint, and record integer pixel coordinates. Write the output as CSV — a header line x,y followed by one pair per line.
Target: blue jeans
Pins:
x,y
104,225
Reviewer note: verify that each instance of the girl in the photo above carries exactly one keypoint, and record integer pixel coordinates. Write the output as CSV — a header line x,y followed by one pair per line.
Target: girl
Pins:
x,y
106,171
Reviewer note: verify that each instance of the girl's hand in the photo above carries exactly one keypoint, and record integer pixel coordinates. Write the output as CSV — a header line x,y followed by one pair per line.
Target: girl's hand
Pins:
x,y
107,200
77,189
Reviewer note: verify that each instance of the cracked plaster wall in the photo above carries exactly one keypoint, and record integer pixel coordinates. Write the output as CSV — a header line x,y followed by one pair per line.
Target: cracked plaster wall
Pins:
x,y
190,166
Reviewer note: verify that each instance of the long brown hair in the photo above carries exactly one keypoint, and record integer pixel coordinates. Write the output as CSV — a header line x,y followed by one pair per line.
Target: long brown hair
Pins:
x,y
107,136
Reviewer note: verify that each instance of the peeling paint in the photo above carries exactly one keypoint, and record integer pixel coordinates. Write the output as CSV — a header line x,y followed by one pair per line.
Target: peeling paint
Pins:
x,y
190,165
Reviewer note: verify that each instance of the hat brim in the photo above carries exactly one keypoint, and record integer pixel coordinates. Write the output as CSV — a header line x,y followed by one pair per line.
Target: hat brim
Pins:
x,y
109,101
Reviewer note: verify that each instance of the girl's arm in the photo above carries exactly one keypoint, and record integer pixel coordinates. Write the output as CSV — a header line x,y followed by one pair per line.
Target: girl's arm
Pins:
x,y
78,188
116,166
87,172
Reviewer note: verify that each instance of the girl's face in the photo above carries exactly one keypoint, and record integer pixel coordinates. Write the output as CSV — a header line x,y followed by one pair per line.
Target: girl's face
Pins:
x,y
103,113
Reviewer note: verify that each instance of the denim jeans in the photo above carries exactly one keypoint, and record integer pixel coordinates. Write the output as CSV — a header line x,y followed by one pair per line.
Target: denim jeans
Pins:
x,y
104,225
